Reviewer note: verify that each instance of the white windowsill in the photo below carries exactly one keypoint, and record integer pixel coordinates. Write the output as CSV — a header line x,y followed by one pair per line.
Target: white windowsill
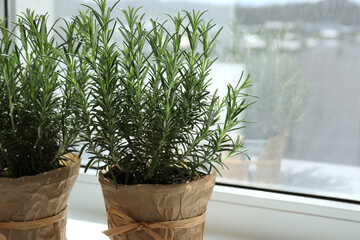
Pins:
x,y
81,229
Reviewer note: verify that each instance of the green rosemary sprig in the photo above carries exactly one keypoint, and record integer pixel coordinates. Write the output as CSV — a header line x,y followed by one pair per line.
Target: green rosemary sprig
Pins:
x,y
37,117
152,118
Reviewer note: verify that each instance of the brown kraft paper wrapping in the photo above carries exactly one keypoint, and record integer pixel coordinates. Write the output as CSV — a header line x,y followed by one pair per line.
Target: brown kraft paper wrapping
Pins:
x,y
147,203
30,198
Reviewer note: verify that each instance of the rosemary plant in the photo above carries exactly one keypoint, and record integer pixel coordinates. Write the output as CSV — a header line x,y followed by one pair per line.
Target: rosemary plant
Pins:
x,y
151,118
37,110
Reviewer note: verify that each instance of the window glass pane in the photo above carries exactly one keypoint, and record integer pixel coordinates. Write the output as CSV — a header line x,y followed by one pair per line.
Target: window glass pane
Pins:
x,y
303,57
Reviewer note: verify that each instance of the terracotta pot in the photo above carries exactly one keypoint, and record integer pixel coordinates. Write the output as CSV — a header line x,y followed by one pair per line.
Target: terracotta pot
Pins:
x,y
148,203
38,199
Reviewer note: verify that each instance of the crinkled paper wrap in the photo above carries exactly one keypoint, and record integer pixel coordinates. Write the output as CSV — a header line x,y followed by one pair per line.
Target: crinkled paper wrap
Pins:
x,y
157,203
35,197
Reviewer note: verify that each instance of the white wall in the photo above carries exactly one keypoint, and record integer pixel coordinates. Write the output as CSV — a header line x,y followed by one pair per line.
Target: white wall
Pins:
x,y
39,6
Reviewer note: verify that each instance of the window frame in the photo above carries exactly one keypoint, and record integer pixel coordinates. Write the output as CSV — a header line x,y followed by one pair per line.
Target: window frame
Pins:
x,y
292,193
231,208
8,8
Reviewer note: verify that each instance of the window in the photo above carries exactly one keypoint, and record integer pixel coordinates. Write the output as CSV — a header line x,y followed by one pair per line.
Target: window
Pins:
x,y
303,58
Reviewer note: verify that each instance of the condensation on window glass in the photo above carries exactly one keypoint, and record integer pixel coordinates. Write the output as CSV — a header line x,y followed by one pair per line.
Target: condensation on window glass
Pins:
x,y
304,60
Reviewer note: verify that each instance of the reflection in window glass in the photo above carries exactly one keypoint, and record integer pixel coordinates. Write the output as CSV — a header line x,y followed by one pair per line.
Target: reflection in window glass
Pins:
x,y
303,57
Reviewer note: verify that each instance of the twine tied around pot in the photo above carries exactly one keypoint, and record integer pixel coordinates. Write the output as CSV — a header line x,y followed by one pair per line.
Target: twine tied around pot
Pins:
x,y
129,225
38,223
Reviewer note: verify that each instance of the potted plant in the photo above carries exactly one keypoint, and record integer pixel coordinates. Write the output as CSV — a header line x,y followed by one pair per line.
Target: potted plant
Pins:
x,y
152,126
38,128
